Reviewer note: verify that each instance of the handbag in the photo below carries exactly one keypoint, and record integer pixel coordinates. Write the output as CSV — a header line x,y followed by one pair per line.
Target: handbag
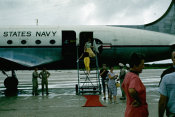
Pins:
x,y
117,84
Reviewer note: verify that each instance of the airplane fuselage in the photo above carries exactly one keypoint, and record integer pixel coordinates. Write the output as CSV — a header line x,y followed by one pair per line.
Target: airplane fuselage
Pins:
x,y
59,46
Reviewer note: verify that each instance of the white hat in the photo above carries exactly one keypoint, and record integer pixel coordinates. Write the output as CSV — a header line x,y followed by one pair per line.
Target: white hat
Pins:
x,y
121,64
127,65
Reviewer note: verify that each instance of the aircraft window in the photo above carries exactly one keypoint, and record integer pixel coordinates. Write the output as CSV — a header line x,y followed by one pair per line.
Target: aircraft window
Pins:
x,y
23,41
9,42
52,41
38,42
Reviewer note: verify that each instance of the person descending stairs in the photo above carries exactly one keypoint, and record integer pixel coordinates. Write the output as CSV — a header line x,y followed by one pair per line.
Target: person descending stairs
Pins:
x,y
88,79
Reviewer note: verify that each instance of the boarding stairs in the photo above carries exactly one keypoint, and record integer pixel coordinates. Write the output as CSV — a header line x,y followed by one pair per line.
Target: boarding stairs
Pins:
x,y
88,83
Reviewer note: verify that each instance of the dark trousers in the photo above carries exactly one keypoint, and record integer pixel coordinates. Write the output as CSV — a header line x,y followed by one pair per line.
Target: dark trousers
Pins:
x,y
35,86
123,93
46,85
104,86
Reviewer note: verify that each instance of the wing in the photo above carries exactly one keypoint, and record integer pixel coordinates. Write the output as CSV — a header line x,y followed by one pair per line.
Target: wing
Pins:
x,y
29,57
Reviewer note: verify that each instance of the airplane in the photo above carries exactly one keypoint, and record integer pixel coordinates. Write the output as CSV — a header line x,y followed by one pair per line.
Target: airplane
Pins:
x,y
58,47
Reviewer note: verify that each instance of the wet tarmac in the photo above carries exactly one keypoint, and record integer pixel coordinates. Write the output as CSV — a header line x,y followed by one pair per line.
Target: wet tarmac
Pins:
x,y
62,101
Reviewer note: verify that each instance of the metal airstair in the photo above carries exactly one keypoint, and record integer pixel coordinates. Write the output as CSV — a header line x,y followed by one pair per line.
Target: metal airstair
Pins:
x,y
88,84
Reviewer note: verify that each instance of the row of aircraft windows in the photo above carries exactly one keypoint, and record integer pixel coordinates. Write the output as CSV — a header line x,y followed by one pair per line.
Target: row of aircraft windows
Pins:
x,y
37,42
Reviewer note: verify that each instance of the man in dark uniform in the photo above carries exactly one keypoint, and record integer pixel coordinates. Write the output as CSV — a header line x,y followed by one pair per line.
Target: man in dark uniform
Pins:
x,y
35,76
103,74
44,75
171,69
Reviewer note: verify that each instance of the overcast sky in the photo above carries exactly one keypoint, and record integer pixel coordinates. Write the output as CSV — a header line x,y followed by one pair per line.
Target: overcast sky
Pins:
x,y
81,12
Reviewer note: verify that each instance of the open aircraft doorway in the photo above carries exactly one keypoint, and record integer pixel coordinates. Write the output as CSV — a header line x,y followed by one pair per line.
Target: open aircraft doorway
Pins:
x,y
68,43
84,36
69,47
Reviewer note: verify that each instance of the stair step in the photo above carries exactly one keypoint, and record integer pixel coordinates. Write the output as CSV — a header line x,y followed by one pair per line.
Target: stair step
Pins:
x,y
91,72
85,70
90,91
90,82
88,75
89,78
89,87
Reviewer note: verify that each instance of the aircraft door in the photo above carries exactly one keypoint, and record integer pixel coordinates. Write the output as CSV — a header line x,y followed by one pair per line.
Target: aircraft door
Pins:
x,y
69,44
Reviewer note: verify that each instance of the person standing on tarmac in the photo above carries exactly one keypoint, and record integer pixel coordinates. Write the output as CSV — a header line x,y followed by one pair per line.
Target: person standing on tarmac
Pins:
x,y
136,105
103,74
121,77
169,70
35,76
112,85
167,95
44,75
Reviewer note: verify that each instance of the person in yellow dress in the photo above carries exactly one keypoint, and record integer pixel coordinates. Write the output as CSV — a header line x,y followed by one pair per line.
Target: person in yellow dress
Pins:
x,y
86,61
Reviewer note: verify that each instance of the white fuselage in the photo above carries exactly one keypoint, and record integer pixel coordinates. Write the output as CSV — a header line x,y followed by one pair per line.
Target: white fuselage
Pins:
x,y
36,45
107,34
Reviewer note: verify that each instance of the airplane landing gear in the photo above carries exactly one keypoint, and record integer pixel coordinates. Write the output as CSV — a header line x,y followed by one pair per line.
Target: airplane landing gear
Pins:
x,y
11,84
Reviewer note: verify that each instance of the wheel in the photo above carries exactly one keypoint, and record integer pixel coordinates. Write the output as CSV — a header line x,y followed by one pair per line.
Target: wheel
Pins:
x,y
11,83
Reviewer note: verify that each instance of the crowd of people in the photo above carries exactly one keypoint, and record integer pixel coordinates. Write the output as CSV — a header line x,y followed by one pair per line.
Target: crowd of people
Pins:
x,y
110,79
134,91
132,88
